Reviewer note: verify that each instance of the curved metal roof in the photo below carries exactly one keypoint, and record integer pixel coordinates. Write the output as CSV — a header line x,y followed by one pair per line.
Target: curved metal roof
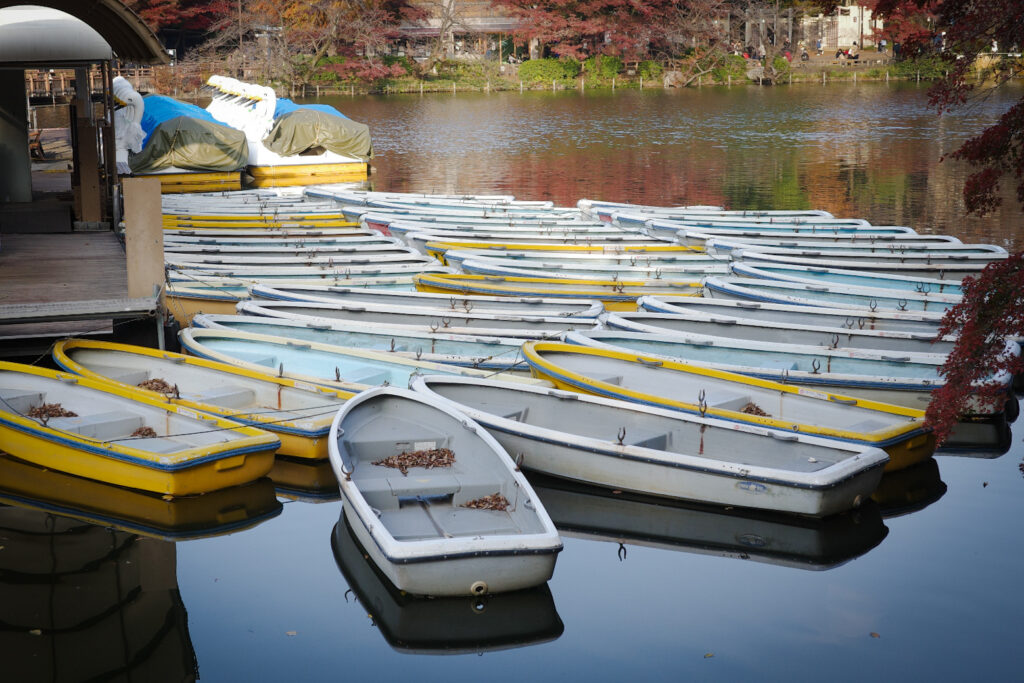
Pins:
x,y
37,33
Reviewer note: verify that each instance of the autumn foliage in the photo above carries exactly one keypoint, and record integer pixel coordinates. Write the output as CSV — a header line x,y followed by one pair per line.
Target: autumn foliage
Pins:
x,y
990,315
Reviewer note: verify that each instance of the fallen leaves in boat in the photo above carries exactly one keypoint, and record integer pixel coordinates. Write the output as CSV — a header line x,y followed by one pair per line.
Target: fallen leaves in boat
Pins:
x,y
158,385
753,409
48,410
495,501
428,458
144,432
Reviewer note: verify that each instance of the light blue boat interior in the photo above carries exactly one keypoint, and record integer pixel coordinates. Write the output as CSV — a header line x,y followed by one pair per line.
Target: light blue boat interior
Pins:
x,y
317,363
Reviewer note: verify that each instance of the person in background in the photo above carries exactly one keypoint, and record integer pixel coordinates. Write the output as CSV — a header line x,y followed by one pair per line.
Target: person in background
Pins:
x,y
853,52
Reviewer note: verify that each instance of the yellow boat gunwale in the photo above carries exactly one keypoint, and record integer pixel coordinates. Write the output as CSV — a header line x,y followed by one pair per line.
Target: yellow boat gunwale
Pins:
x,y
190,470
309,443
615,295
532,353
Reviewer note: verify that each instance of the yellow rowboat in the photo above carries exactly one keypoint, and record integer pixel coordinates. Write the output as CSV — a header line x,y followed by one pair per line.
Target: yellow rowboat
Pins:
x,y
171,183
438,247
616,295
254,221
215,513
100,431
694,389
307,174
258,215
298,413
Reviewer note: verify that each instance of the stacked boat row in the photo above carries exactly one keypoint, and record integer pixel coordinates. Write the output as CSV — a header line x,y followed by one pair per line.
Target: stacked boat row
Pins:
x,y
596,344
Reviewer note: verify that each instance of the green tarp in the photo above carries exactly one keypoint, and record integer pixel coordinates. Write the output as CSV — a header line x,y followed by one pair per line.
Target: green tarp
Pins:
x,y
308,130
193,145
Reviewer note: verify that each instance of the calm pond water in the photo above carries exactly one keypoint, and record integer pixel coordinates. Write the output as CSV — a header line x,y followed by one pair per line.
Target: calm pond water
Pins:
x,y
923,582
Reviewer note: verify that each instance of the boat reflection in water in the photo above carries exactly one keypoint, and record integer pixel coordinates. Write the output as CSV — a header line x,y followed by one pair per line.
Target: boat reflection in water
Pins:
x,y
444,625
212,514
909,490
789,540
308,481
985,439
82,602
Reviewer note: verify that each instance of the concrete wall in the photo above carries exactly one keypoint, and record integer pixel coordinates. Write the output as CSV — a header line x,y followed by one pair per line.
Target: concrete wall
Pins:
x,y
16,178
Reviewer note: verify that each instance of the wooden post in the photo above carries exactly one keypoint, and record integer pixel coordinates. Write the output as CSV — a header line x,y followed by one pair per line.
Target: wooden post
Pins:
x,y
613,83
421,87
552,85
520,87
583,84
143,236
641,82
855,78
823,78
728,80
886,75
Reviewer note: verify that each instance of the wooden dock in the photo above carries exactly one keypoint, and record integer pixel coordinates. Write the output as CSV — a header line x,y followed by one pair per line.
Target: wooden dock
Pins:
x,y
56,285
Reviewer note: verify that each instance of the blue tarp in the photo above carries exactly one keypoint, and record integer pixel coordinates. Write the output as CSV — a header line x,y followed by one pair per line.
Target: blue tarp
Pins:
x,y
158,109
286,106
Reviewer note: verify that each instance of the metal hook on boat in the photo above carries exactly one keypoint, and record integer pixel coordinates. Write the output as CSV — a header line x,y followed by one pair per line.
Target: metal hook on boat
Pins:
x,y
445,322
873,305
622,551
785,376
280,369
860,322
337,374
392,343
902,303
434,325
622,436
815,366
835,340
452,303
702,403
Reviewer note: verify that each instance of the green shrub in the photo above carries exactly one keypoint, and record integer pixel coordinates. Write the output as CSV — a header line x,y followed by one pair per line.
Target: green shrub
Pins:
x,y
734,66
547,70
780,64
602,67
650,70
930,67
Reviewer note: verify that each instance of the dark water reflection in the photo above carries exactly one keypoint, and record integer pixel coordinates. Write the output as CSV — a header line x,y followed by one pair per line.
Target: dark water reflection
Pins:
x,y
923,582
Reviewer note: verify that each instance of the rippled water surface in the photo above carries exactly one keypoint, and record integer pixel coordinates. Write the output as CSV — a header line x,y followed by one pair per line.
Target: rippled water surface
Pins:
x,y
921,583
869,150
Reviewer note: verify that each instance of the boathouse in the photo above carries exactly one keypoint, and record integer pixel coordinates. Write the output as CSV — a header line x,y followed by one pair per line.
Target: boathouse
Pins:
x,y
63,268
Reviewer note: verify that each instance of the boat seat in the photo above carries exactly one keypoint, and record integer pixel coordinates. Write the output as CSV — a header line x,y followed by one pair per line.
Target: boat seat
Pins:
x,y
866,426
130,376
20,400
460,521
369,376
778,364
157,444
257,358
101,426
517,414
608,379
226,396
723,399
656,440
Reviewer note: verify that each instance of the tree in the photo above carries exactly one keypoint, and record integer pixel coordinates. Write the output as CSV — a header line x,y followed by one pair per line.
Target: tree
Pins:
x,y
570,28
973,38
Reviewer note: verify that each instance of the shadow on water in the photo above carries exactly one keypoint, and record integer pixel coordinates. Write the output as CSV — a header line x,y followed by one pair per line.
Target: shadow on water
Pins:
x,y
444,625
788,540
82,602
190,517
